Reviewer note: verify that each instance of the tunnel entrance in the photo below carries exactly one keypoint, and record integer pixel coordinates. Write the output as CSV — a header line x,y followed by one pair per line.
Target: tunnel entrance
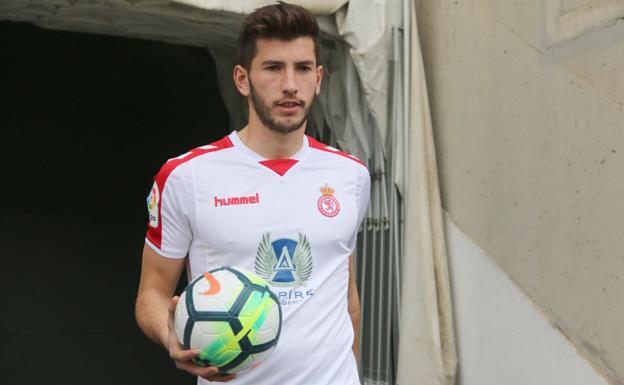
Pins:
x,y
87,121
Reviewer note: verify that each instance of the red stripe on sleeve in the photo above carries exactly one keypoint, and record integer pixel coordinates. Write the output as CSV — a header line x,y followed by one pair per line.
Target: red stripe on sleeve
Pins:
x,y
154,234
323,147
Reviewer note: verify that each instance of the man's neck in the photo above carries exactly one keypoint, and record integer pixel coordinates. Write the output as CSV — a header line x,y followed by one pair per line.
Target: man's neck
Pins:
x,y
270,144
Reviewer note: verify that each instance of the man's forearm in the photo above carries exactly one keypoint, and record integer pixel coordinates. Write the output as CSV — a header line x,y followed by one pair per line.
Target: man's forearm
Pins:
x,y
353,306
355,320
151,313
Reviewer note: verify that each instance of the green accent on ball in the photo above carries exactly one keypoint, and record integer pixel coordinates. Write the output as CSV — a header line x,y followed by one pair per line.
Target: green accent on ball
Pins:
x,y
255,279
255,312
226,347
222,350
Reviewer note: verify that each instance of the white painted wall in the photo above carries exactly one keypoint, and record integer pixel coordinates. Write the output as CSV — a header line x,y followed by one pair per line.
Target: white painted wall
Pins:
x,y
502,337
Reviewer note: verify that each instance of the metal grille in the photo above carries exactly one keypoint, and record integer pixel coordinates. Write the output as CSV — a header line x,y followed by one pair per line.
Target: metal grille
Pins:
x,y
380,241
378,281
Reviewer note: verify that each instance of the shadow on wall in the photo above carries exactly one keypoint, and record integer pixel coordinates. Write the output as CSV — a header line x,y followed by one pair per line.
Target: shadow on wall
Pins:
x,y
86,122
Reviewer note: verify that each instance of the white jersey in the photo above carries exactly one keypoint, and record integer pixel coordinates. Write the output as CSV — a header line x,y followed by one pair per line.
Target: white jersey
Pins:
x,y
219,202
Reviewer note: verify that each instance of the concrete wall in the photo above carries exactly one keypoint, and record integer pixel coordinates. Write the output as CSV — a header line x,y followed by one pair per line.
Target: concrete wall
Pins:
x,y
529,134
502,338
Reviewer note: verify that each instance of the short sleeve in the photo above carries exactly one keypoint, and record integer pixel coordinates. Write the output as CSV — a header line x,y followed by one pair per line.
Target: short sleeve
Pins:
x,y
363,184
168,228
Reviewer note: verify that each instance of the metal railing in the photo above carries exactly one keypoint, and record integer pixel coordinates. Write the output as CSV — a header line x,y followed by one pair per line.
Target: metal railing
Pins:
x,y
379,248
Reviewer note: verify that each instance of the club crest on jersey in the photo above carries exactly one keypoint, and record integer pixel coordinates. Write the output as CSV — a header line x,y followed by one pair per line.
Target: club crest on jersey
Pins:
x,y
152,205
284,262
327,204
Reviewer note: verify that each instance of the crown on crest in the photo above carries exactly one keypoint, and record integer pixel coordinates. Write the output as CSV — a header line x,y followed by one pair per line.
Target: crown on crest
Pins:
x,y
326,190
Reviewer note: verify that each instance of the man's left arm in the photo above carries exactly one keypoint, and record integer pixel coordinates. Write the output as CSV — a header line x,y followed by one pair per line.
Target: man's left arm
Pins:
x,y
353,303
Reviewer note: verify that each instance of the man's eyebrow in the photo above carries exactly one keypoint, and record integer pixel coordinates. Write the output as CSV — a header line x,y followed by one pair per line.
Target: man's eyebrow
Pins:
x,y
272,62
278,62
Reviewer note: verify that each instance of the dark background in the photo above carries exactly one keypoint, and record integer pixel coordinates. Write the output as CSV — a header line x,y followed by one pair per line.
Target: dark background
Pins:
x,y
85,123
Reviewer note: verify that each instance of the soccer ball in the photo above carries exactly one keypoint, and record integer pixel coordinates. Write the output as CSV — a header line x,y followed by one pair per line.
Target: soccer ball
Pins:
x,y
231,316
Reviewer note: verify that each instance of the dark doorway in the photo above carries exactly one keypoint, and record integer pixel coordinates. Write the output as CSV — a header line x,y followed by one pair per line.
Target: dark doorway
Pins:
x,y
86,122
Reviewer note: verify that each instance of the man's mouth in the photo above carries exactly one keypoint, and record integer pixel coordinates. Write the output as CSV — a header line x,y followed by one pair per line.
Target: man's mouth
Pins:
x,y
290,103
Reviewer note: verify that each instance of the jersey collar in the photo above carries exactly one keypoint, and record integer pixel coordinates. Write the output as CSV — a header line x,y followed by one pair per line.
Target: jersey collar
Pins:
x,y
279,166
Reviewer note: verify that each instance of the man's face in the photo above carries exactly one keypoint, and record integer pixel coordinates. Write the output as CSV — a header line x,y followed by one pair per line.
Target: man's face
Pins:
x,y
283,82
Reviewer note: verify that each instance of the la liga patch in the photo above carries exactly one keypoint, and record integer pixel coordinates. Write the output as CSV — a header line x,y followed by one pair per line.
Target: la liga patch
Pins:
x,y
152,205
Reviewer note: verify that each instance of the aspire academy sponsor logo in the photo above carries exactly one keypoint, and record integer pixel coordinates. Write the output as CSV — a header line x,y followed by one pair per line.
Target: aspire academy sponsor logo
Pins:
x,y
235,201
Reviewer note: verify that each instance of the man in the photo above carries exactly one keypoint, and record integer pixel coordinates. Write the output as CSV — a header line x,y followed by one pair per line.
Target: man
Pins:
x,y
300,192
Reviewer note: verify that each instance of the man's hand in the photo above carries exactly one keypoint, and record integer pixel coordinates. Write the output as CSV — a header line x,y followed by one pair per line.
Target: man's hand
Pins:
x,y
155,312
183,359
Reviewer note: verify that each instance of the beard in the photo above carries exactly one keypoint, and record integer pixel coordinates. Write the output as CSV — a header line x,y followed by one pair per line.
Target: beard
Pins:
x,y
263,110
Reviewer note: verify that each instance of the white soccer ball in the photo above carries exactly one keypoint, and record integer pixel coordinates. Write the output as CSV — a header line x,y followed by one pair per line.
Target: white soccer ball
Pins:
x,y
231,316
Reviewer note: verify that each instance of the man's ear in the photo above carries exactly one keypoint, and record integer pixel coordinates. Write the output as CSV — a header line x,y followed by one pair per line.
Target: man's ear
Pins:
x,y
241,79
319,78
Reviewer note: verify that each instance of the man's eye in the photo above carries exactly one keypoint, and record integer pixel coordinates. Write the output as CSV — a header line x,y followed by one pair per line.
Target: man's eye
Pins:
x,y
273,68
305,68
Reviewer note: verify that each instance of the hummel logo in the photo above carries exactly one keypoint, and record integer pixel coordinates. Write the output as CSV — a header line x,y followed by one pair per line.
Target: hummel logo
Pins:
x,y
233,201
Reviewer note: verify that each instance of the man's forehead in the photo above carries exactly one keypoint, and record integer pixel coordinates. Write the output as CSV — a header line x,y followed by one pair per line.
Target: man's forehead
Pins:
x,y
296,50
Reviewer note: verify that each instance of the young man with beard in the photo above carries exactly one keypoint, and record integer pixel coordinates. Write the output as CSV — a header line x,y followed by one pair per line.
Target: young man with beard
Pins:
x,y
306,194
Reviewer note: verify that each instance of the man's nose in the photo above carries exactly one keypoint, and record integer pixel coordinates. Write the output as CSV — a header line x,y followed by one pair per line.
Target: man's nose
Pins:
x,y
290,82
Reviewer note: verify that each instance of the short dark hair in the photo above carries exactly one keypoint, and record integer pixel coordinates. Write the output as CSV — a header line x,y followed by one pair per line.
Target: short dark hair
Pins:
x,y
277,21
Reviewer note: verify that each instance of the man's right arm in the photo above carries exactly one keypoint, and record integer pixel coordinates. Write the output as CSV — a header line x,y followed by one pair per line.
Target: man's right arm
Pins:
x,y
159,277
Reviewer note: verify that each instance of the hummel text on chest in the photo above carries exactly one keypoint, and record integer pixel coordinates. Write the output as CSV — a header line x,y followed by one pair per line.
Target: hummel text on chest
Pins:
x,y
235,201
